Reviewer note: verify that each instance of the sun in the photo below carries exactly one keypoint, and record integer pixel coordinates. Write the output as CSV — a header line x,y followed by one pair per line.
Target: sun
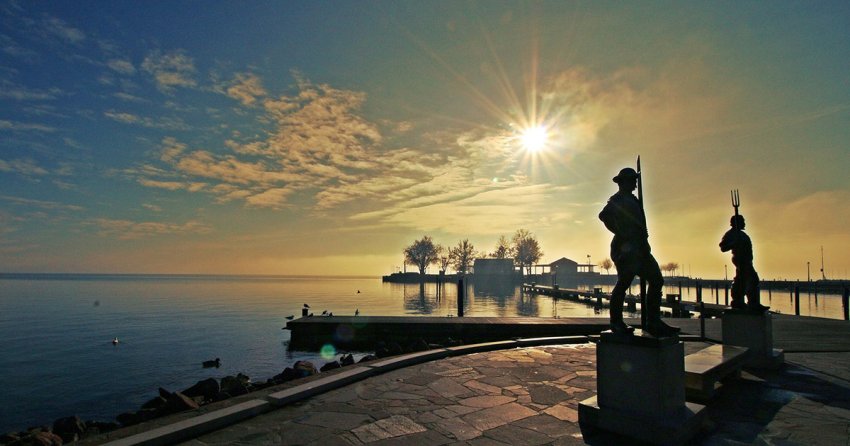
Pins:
x,y
534,139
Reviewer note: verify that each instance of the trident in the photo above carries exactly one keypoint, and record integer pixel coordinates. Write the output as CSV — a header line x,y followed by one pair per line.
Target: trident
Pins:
x,y
736,201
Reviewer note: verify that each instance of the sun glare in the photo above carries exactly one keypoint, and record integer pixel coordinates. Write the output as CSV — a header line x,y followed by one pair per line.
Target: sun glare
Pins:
x,y
534,138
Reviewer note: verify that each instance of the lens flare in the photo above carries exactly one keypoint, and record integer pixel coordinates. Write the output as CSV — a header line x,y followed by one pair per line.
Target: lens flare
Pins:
x,y
328,351
534,138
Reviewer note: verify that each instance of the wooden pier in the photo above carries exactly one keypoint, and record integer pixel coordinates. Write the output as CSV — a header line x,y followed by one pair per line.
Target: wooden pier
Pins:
x,y
680,308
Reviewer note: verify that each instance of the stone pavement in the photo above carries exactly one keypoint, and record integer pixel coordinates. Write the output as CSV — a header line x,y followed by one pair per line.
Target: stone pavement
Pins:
x,y
530,395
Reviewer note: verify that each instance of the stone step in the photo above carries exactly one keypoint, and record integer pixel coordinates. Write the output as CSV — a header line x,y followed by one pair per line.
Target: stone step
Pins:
x,y
707,367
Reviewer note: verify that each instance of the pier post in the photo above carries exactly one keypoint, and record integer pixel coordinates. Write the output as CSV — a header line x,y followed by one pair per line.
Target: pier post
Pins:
x,y
797,300
769,290
680,291
846,304
460,292
716,293
726,293
699,291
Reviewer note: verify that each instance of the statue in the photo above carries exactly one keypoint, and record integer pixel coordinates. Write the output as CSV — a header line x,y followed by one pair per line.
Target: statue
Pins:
x,y
630,251
746,281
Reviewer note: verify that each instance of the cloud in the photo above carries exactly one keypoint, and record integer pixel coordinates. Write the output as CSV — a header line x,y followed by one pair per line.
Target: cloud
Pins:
x,y
152,207
25,127
246,88
50,205
59,28
11,90
170,70
121,66
22,166
164,122
131,230
128,97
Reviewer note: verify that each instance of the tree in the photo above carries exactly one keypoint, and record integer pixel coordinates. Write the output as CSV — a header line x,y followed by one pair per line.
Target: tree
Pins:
x,y
503,249
422,253
670,267
606,265
526,249
444,263
462,256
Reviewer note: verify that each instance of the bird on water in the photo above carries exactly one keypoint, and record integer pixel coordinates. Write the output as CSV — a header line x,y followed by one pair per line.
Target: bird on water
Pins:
x,y
212,363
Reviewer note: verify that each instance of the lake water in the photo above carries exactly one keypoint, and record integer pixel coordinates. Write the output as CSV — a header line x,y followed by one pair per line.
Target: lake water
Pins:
x,y
57,357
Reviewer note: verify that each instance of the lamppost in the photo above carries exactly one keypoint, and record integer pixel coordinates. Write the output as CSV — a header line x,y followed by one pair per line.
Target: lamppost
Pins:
x,y
808,271
726,272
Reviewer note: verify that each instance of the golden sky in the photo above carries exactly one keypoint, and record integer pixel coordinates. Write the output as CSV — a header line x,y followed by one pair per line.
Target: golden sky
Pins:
x,y
323,138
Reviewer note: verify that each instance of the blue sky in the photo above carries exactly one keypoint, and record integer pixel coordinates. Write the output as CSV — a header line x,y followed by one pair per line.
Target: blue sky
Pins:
x,y
324,137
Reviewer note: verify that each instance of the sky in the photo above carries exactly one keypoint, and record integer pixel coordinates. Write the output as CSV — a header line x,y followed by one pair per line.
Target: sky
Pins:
x,y
213,137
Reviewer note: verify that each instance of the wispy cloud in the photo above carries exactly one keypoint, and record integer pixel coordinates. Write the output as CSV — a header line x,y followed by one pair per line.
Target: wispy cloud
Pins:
x,y
130,230
164,123
59,28
22,167
246,88
122,66
170,70
11,90
50,205
24,127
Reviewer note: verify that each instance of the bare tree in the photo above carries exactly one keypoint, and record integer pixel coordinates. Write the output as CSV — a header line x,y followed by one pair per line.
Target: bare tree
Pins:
x,y
606,265
503,248
670,267
462,256
526,249
444,263
422,253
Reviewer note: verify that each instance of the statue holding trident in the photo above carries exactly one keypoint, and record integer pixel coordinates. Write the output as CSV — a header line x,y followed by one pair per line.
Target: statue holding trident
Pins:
x,y
624,216
746,281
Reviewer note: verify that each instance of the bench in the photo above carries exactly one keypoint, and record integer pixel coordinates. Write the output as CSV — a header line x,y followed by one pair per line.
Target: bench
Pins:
x,y
705,368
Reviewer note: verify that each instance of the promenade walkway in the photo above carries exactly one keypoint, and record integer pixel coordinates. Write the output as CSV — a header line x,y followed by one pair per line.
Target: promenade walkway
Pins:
x,y
530,395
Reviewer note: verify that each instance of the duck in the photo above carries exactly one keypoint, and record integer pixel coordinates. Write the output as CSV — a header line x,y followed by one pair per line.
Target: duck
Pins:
x,y
212,363
114,341
324,313
290,317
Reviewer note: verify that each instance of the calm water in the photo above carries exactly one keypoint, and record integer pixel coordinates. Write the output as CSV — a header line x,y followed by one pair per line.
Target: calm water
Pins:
x,y
57,358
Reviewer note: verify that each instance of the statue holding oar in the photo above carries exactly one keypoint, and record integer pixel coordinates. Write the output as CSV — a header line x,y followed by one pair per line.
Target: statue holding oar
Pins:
x,y
746,281
630,251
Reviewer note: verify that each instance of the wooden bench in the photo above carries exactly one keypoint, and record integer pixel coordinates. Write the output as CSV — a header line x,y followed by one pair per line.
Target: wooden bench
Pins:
x,y
705,368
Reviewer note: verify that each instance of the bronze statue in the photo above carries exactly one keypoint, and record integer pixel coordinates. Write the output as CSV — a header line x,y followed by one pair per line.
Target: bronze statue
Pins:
x,y
746,281
630,251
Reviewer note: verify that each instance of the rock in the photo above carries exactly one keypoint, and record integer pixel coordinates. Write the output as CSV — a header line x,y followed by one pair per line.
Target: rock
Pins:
x,y
99,427
330,366
208,389
9,437
368,358
394,349
305,368
288,374
46,439
346,360
69,428
234,385
131,418
156,403
164,393
179,403
419,345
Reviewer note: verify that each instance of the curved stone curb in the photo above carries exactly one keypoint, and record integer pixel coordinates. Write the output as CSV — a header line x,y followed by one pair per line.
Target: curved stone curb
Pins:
x,y
202,424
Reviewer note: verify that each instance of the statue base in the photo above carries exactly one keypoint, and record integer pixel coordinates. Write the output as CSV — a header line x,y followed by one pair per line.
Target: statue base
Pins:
x,y
753,330
641,390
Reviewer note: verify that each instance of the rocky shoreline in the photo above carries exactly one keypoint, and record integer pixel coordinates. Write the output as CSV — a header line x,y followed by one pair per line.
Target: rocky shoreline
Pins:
x,y
70,429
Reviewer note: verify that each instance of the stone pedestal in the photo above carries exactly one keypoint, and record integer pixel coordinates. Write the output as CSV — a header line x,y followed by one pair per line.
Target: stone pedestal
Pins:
x,y
753,330
641,390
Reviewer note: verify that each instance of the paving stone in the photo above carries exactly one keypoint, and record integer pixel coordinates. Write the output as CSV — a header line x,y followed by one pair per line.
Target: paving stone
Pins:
x,y
335,420
486,419
563,413
486,401
479,386
449,388
547,395
516,435
462,410
547,424
457,428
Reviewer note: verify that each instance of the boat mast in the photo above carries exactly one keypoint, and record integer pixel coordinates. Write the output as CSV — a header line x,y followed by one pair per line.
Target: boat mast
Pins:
x,y
822,273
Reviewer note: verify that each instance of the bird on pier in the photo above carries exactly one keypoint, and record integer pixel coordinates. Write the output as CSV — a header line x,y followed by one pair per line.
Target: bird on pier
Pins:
x,y
357,312
306,306
324,313
358,291
290,317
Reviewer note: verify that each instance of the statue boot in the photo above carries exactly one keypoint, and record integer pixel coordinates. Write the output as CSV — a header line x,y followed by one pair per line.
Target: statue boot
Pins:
x,y
618,326
754,302
654,325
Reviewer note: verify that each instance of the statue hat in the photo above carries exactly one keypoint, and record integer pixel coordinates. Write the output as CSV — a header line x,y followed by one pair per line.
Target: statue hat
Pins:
x,y
626,174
